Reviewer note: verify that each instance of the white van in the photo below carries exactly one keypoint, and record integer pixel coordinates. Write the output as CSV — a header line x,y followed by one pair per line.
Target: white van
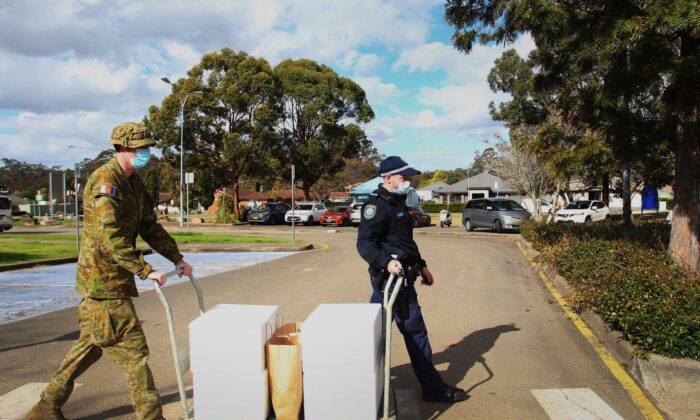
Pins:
x,y
5,213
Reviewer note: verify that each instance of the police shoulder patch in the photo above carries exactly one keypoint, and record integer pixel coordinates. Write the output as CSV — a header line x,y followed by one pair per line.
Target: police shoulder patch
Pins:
x,y
370,211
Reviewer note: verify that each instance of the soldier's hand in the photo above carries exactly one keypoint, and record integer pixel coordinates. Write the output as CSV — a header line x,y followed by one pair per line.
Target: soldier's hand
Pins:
x,y
426,277
394,267
186,268
160,276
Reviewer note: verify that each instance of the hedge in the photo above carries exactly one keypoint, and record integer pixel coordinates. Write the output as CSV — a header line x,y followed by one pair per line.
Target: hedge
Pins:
x,y
455,208
626,276
652,235
640,291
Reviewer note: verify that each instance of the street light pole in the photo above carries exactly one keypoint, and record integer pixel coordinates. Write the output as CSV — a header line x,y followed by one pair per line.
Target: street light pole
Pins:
x,y
182,142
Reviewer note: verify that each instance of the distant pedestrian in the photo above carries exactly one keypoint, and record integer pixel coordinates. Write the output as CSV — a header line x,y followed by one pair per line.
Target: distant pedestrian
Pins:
x,y
385,241
117,209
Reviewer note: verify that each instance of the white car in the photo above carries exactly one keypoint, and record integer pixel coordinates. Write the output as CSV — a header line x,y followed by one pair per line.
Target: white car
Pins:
x,y
583,212
356,214
5,213
306,213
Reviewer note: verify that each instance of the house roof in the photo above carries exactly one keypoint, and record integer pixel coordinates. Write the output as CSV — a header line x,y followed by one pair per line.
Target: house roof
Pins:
x,y
435,186
248,194
482,181
164,197
338,194
367,187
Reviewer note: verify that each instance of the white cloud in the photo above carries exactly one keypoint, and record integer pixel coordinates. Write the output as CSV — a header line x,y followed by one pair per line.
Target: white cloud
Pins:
x,y
377,91
360,64
437,56
46,137
46,84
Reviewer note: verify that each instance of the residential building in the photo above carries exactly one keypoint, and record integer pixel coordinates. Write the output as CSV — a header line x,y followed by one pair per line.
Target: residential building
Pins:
x,y
478,186
430,192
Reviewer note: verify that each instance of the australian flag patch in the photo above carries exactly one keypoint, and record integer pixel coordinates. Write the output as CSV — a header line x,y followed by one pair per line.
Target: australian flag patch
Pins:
x,y
108,189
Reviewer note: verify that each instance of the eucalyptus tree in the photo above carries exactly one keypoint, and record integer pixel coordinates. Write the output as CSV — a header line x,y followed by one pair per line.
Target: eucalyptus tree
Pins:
x,y
321,120
227,128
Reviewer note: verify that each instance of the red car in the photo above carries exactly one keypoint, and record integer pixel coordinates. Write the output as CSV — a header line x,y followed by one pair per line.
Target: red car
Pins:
x,y
341,216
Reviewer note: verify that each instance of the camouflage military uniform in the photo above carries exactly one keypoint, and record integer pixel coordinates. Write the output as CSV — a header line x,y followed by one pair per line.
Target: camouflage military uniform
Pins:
x,y
116,210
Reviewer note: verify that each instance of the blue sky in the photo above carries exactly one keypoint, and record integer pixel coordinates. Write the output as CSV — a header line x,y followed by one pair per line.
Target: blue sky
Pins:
x,y
70,70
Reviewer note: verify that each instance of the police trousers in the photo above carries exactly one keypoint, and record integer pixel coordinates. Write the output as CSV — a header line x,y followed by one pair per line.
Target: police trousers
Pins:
x,y
110,326
415,335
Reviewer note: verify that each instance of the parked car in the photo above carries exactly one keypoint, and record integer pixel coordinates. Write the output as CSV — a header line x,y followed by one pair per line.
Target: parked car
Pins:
x,y
418,216
269,214
341,216
5,213
496,213
583,212
306,213
356,214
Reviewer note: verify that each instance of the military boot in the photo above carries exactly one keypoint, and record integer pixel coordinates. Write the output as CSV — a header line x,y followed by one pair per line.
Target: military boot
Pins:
x,y
43,411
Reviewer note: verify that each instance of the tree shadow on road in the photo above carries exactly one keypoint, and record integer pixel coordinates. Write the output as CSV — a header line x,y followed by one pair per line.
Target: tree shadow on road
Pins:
x,y
461,357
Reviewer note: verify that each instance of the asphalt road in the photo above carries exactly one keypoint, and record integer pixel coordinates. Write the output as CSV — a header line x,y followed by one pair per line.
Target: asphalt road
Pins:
x,y
495,329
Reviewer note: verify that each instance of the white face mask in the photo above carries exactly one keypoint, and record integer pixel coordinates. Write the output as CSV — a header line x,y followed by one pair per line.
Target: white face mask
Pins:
x,y
403,188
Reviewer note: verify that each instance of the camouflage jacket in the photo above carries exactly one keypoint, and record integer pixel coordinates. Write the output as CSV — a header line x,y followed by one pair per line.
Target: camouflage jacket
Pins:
x,y
116,210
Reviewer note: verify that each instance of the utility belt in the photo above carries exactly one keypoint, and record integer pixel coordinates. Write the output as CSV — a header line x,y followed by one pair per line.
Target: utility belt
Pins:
x,y
407,295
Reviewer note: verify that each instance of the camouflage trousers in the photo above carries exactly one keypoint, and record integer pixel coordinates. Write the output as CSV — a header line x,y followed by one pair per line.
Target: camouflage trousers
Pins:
x,y
110,326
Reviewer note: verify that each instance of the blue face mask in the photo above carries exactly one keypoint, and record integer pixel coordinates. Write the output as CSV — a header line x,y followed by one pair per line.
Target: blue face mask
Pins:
x,y
403,188
143,156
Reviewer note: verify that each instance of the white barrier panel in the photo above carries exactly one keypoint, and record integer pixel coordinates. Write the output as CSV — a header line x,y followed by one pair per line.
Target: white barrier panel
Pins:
x,y
343,364
227,353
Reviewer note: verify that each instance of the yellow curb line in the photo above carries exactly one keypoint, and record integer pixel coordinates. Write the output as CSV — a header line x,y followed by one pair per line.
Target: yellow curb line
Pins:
x,y
322,247
640,400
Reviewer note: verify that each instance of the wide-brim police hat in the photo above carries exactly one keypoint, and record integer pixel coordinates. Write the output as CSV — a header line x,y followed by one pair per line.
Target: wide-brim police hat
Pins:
x,y
394,165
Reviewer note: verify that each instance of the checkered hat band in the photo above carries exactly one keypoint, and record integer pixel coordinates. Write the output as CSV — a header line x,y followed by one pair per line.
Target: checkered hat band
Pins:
x,y
395,171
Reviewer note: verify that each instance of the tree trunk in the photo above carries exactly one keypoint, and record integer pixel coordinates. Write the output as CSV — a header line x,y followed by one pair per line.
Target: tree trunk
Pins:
x,y
307,191
236,209
550,215
685,230
626,196
606,189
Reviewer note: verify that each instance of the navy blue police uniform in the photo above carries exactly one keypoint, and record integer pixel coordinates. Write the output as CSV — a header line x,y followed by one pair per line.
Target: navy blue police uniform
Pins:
x,y
385,234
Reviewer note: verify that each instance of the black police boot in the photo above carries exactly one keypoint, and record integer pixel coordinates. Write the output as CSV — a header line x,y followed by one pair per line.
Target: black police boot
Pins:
x,y
448,395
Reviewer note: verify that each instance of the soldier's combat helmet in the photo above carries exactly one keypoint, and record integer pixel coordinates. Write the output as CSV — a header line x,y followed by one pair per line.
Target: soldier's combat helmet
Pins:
x,y
132,135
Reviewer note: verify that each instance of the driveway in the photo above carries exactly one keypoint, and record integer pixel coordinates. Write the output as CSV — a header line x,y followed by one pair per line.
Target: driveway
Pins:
x,y
495,329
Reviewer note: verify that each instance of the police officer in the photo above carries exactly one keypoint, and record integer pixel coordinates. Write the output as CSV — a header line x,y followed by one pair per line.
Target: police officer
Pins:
x,y
116,209
385,241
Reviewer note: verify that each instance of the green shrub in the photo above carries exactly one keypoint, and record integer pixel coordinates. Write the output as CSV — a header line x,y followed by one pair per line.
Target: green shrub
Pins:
x,y
429,207
653,300
652,235
224,212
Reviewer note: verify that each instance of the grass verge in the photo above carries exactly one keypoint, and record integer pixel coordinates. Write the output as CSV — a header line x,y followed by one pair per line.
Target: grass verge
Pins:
x,y
35,251
19,247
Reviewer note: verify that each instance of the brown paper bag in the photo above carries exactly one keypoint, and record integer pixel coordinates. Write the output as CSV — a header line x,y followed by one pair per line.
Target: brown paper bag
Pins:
x,y
284,370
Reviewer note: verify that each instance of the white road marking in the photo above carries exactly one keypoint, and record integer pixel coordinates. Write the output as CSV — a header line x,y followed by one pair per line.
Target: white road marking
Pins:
x,y
15,404
574,404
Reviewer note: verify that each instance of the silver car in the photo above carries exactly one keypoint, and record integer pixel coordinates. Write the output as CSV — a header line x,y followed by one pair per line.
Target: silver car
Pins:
x,y
498,214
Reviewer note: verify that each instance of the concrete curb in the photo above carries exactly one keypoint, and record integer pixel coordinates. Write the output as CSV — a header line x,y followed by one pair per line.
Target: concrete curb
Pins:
x,y
244,248
672,383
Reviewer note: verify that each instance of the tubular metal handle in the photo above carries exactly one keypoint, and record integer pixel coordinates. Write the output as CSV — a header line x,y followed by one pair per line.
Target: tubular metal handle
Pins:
x,y
388,316
171,330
